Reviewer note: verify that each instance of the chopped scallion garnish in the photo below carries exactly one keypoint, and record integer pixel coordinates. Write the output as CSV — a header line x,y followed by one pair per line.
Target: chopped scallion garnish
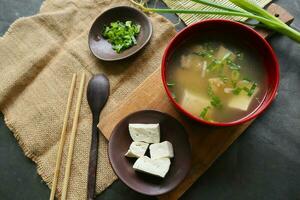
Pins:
x,y
232,65
204,112
252,89
215,100
121,35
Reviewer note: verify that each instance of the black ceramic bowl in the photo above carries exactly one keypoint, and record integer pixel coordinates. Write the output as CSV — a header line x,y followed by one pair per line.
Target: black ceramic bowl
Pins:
x,y
170,130
102,49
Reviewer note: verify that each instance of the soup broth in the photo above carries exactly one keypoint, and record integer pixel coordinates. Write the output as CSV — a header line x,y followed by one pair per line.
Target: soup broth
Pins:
x,y
217,80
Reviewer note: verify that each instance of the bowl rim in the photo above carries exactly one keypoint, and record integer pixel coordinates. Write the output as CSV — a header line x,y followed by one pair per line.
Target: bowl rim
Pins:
x,y
109,151
259,110
149,24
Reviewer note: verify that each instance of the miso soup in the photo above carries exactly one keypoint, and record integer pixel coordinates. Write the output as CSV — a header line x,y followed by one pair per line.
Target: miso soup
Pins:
x,y
217,80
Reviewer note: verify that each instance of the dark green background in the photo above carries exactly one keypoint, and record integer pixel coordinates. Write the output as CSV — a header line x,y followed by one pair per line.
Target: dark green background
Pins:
x,y
264,163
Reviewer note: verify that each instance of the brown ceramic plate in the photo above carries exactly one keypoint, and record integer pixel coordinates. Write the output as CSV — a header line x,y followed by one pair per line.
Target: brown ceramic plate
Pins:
x,y
102,49
172,131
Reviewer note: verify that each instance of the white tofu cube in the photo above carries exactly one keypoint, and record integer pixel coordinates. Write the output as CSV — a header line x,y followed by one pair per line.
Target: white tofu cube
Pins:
x,y
216,84
222,51
157,167
149,133
161,150
137,149
242,101
194,103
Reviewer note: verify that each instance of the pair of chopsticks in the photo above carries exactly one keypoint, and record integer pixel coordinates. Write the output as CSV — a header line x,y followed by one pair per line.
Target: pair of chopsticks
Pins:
x,y
72,138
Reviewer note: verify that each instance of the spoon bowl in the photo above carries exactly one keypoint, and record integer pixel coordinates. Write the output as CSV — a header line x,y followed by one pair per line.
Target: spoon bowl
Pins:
x,y
97,93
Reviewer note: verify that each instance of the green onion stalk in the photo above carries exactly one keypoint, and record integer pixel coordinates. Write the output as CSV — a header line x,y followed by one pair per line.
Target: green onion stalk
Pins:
x,y
245,9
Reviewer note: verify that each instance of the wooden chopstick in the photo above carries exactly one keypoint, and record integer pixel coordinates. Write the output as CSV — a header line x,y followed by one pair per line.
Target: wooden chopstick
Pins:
x,y
62,138
72,139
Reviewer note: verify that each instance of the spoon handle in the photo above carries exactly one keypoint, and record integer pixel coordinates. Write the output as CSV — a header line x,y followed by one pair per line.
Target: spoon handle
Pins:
x,y
93,160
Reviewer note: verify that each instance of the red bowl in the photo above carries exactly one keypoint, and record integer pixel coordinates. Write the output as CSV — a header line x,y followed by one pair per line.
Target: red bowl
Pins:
x,y
239,32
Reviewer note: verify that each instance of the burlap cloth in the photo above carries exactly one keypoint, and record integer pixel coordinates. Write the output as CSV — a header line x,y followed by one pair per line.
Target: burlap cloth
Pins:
x,y
38,56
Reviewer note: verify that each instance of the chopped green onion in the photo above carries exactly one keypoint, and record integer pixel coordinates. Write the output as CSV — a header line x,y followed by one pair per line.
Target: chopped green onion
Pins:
x,y
232,65
121,35
215,100
247,9
236,91
210,91
226,56
250,92
204,54
224,78
170,84
240,56
252,89
235,75
215,66
204,112
247,79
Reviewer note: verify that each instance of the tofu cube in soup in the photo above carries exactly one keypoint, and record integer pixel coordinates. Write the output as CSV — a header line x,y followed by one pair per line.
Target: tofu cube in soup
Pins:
x,y
137,149
222,51
216,84
194,102
161,150
242,101
156,167
149,133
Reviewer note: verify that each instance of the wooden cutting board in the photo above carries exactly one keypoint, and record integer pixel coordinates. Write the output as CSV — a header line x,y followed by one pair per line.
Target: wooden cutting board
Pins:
x,y
207,143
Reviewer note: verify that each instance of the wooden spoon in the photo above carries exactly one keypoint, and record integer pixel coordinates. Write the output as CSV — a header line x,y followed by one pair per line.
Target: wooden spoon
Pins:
x,y
97,95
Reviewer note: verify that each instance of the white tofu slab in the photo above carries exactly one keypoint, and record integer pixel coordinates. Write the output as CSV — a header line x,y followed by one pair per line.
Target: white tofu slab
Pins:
x,y
194,103
137,149
242,101
149,133
156,167
161,150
